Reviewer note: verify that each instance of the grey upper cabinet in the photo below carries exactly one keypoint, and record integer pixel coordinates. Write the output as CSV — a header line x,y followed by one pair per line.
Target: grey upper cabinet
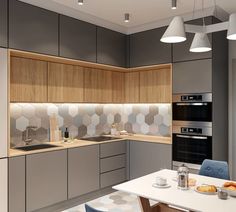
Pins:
x,y
111,47
32,28
46,179
148,157
17,184
181,50
83,170
77,39
147,49
3,23
192,76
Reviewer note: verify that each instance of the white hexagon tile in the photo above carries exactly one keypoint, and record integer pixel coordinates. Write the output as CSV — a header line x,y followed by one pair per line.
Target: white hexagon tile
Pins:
x,y
90,119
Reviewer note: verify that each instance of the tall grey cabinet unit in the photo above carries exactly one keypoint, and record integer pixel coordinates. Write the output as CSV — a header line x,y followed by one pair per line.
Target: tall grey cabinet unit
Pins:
x,y
77,39
83,170
46,179
3,23
111,47
17,184
148,157
147,49
32,28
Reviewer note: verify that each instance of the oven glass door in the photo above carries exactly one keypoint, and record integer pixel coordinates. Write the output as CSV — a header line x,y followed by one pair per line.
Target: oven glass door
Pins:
x,y
194,111
191,148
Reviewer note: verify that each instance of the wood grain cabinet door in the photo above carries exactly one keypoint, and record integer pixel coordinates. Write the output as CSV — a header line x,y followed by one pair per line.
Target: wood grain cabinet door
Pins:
x,y
118,87
97,86
155,86
132,87
28,80
65,83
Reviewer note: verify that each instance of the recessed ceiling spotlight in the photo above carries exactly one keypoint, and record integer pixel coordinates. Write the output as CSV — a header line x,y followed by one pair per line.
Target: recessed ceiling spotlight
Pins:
x,y
80,2
126,17
174,5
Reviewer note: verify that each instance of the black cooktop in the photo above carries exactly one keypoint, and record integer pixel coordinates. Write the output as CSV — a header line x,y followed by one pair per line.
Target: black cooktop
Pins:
x,y
99,138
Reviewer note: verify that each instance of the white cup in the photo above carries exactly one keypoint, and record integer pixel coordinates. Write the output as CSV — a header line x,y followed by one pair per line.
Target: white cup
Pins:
x,y
161,181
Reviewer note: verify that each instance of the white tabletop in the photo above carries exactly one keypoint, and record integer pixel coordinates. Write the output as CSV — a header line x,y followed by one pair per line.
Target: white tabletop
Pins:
x,y
189,199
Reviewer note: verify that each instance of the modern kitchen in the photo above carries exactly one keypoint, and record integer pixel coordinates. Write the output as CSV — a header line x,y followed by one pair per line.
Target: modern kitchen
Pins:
x,y
117,106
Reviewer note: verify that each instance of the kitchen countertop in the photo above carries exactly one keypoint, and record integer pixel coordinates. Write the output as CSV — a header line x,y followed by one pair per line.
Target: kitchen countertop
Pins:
x,y
80,143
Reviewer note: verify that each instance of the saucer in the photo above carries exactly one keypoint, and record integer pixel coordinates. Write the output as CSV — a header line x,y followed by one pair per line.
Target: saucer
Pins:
x,y
161,186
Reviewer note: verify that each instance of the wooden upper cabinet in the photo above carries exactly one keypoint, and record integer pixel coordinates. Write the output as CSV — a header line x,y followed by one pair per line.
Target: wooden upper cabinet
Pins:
x,y
28,80
155,86
65,83
132,87
118,87
97,86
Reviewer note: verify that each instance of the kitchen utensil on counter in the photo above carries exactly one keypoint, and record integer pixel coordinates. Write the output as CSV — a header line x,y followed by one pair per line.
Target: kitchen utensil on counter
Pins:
x,y
183,176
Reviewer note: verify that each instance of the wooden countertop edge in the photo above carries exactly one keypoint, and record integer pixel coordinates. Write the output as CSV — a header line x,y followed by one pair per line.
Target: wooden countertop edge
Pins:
x,y
81,143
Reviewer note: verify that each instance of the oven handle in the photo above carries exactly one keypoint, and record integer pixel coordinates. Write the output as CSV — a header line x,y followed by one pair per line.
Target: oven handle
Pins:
x,y
192,137
192,104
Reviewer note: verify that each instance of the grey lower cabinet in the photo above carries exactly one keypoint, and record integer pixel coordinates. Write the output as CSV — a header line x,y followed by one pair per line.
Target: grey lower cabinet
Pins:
x,y
192,76
83,170
111,47
17,184
77,39
3,23
32,28
147,49
46,179
148,157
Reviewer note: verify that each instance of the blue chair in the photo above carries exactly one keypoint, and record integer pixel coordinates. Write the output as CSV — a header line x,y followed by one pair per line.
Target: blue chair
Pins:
x,y
90,209
214,168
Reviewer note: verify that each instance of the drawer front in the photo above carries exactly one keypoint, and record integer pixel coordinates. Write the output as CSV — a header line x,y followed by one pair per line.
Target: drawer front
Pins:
x,y
113,177
112,163
111,149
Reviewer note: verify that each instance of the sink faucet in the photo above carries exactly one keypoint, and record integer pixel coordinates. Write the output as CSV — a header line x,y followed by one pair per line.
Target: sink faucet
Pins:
x,y
26,137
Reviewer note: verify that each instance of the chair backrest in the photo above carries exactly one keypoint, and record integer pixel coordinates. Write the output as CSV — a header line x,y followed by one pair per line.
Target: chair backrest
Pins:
x,y
90,209
214,168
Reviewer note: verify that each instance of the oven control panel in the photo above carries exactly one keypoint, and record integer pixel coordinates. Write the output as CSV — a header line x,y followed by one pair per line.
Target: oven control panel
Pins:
x,y
186,98
191,130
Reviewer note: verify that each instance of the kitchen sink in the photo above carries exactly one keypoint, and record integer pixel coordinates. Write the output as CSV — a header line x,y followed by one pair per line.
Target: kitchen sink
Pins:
x,y
35,147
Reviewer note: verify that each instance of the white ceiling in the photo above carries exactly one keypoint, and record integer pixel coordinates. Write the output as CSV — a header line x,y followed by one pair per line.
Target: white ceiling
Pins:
x,y
143,13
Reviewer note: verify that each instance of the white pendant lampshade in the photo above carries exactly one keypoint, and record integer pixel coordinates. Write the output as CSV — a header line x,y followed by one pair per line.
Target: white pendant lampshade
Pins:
x,y
232,27
200,43
175,33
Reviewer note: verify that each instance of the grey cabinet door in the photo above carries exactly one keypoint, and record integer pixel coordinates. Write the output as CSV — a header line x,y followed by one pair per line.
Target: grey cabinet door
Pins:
x,y
17,184
77,39
181,50
46,179
83,170
192,76
3,23
147,49
32,28
147,157
111,47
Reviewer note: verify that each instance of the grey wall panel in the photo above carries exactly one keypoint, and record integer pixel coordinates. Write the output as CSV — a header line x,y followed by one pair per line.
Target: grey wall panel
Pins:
x,y
3,23
83,170
46,179
147,157
77,39
111,47
17,184
147,49
192,76
32,28
111,149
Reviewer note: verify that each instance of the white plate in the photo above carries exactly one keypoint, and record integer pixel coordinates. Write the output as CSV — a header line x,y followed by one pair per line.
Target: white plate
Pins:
x,y
230,192
159,186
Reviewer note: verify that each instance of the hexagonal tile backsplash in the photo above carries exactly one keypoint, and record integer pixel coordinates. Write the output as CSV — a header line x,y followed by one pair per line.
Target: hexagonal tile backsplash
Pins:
x,y
89,119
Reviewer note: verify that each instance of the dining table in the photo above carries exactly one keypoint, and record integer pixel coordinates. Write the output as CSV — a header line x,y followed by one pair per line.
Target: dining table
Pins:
x,y
173,199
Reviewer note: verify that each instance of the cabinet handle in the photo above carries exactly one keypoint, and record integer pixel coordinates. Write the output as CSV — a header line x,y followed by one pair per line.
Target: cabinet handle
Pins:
x,y
192,137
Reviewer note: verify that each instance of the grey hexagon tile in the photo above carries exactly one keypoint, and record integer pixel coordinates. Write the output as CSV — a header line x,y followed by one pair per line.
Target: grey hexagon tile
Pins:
x,y
41,110
153,110
103,119
144,128
163,110
99,109
149,119
45,122
136,128
89,109
91,130
73,130
86,120
99,129
106,128
124,118
82,131
136,109
140,118
132,118
95,119
110,119
153,129
16,110
158,119
127,109
128,127
167,120
117,118
164,130
60,121
35,121
52,109
22,123
28,110
73,110
144,109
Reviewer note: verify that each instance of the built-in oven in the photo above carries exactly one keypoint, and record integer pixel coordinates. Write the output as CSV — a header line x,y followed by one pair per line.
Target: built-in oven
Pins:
x,y
191,145
192,108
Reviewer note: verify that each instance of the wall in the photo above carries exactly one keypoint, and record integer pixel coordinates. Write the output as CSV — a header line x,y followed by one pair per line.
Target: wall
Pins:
x,y
232,107
89,119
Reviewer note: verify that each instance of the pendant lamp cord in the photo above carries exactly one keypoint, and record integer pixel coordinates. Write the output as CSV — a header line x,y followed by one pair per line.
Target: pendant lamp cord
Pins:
x,y
203,19
194,7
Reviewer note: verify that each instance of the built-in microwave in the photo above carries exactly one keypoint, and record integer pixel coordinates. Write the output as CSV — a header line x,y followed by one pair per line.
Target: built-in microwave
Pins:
x,y
192,108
